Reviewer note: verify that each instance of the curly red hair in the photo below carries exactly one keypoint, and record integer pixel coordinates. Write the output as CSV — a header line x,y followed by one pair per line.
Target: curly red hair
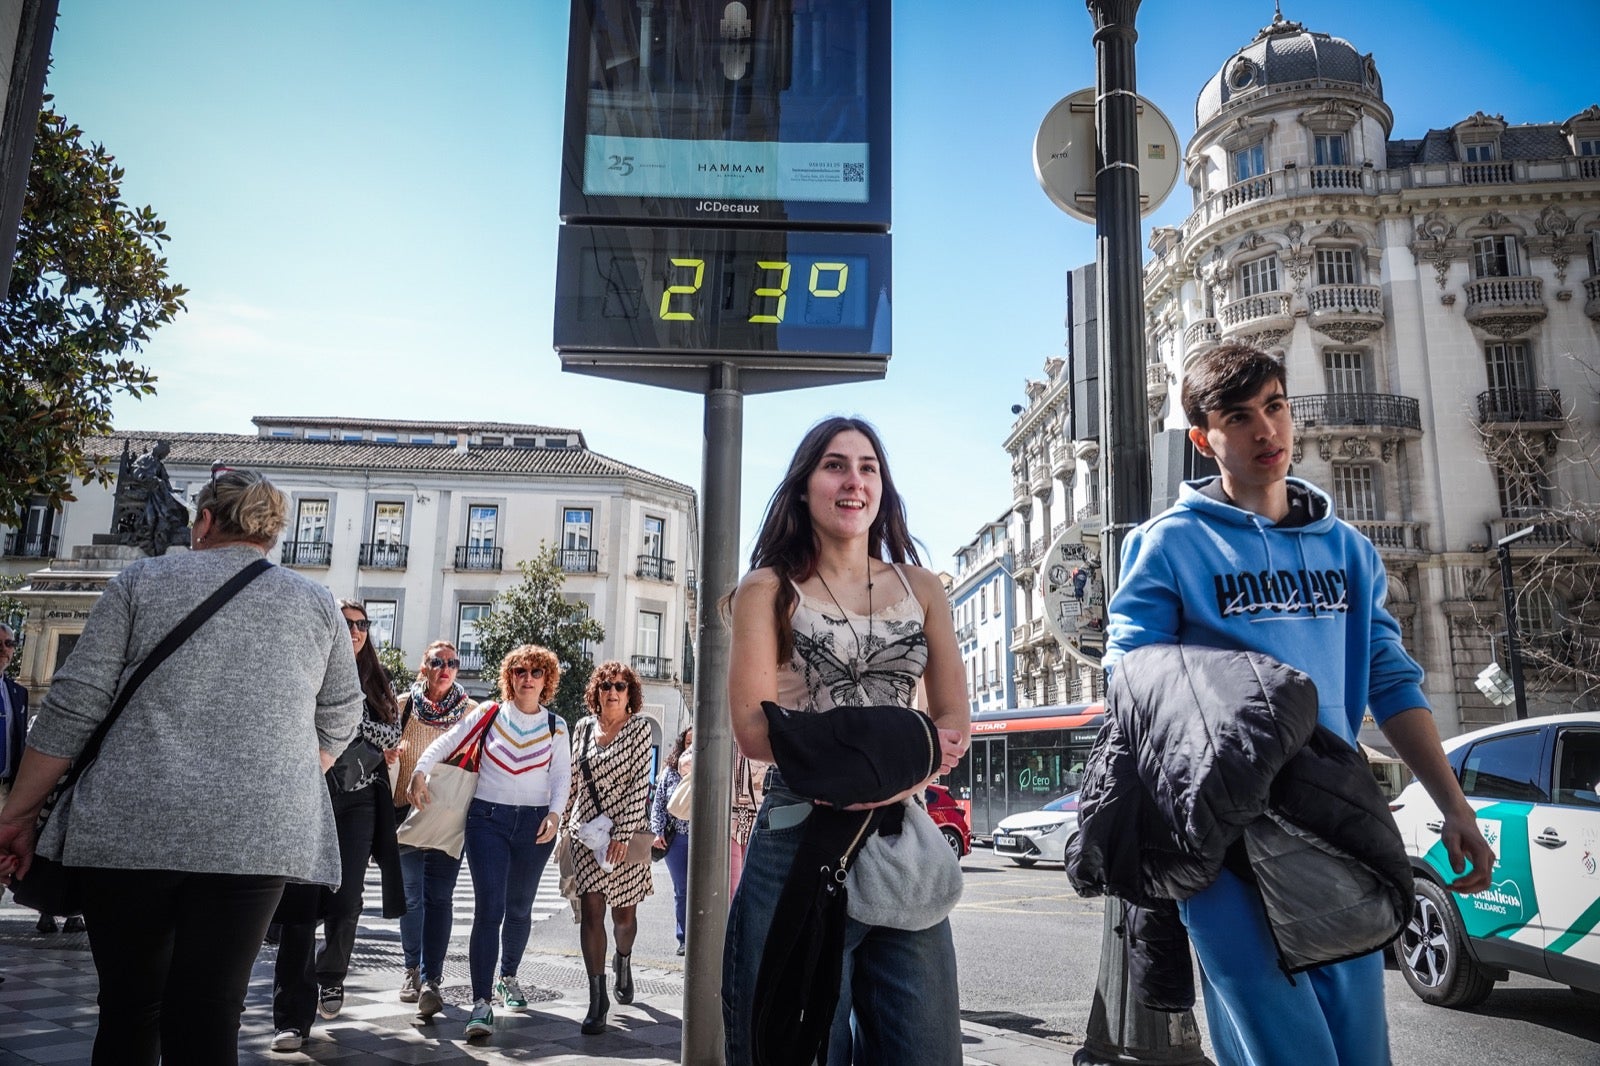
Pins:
x,y
531,656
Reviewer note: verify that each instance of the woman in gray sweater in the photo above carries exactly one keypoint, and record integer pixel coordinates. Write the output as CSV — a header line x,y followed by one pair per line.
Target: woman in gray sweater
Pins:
x,y
208,795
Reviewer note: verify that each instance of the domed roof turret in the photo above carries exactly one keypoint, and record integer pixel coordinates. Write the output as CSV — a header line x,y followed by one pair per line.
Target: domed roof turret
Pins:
x,y
1285,55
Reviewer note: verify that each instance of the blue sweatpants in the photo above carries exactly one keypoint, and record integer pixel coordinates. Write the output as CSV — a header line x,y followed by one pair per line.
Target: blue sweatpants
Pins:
x,y
1330,1016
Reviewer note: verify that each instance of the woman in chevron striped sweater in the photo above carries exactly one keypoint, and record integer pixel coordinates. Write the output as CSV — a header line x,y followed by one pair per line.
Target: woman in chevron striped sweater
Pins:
x,y
523,781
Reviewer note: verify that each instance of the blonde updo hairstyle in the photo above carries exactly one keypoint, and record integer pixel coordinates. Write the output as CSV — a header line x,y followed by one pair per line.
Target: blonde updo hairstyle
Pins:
x,y
244,506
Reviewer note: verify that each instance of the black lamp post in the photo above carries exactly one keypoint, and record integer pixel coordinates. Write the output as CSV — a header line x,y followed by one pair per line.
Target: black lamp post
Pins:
x,y
1513,637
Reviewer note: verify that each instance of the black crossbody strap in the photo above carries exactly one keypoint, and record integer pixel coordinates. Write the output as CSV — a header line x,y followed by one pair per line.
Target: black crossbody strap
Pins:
x,y
588,778
169,644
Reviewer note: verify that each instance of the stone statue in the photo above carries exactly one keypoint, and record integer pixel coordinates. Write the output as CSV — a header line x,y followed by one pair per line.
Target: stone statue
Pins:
x,y
147,514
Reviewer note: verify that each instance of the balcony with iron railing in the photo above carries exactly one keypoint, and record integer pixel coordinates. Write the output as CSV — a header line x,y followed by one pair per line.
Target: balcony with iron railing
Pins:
x,y
1254,314
471,660
655,568
580,560
381,556
652,667
306,553
1591,293
1347,313
21,546
1539,407
479,557
967,632
1506,306
1355,409
1395,537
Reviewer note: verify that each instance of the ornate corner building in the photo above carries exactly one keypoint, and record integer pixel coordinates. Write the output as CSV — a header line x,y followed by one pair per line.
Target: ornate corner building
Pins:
x,y
1436,302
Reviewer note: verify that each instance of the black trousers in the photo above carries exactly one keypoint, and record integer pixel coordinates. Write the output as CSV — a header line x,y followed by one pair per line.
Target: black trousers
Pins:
x,y
299,968
173,951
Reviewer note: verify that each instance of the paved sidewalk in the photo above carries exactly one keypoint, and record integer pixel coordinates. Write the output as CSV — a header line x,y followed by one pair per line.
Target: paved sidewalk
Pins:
x,y
48,1015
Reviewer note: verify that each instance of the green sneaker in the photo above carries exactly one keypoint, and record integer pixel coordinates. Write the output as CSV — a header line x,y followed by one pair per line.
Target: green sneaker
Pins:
x,y
509,989
481,1025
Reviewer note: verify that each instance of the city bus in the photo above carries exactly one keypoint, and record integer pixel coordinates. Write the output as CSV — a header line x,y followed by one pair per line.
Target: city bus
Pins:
x,y
1022,759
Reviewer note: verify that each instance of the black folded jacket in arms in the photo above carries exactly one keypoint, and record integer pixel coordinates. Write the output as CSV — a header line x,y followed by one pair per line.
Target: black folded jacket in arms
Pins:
x,y
852,754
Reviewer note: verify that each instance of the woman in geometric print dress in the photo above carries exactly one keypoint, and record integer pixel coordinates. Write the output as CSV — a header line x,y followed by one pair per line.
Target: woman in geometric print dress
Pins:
x,y
523,782
611,748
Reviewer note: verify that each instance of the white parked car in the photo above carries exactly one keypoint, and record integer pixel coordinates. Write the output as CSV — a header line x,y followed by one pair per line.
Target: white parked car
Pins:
x,y
1041,835
1535,784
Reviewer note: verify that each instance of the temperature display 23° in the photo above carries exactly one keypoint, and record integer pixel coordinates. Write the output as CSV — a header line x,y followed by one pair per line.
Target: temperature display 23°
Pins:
x,y
692,290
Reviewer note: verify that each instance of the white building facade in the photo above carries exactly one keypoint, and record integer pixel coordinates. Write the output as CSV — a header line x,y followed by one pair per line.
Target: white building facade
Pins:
x,y
983,606
1436,303
426,521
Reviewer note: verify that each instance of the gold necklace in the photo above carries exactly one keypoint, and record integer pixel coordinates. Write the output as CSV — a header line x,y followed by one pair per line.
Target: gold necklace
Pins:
x,y
856,664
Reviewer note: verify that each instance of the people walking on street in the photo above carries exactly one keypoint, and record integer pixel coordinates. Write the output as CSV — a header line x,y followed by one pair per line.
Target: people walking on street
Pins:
x,y
208,796
306,982
523,781
835,612
1254,544
435,703
611,778
672,832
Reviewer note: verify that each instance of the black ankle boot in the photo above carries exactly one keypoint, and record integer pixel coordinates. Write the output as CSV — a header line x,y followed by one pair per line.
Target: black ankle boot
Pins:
x,y
622,965
594,1023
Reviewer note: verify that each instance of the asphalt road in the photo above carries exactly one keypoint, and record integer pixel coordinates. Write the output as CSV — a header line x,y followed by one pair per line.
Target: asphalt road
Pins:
x,y
1028,953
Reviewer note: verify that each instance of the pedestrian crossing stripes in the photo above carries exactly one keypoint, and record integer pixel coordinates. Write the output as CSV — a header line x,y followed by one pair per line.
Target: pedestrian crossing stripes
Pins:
x,y
547,903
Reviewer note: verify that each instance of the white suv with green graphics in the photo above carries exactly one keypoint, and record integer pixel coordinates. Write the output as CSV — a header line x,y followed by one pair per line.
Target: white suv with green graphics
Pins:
x,y
1535,784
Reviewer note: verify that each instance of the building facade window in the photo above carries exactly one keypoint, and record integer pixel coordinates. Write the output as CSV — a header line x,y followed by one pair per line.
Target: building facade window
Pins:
x,y
648,641
468,644
1496,256
388,523
311,522
576,527
383,615
1509,366
482,525
1355,493
1337,266
1331,150
1250,162
1482,152
655,530
1258,276
1523,487
1345,370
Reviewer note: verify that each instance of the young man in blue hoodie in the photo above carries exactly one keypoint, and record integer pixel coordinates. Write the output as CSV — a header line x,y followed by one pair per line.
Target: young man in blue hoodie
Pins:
x,y
1255,560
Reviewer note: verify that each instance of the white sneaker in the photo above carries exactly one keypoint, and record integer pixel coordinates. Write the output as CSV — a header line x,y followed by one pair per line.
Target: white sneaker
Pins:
x,y
410,985
429,1001
288,1040
481,1025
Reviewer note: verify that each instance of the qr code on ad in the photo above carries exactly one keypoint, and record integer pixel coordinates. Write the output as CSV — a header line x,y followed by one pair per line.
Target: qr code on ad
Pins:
x,y
855,172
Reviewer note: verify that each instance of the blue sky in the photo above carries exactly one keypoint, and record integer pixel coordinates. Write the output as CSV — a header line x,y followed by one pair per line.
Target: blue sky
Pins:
x,y
362,200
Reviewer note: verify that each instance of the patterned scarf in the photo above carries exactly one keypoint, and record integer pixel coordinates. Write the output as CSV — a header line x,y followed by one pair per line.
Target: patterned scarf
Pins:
x,y
442,714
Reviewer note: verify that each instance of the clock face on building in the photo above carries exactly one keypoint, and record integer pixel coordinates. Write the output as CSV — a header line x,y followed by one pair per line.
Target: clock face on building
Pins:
x,y
675,290
770,112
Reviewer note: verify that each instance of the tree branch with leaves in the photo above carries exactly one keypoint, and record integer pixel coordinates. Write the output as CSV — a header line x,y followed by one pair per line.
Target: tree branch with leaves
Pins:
x,y
88,288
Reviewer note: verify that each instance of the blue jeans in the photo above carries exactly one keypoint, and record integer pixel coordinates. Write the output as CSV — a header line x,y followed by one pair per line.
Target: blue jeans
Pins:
x,y
898,1001
506,862
677,861
430,880
1330,1016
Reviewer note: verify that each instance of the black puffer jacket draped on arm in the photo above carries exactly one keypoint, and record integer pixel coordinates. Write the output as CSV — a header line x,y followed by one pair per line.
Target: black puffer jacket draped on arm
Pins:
x,y
1204,748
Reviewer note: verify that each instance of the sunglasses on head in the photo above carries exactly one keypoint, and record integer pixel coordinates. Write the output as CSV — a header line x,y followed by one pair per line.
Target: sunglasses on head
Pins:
x,y
612,686
444,664
360,625
527,671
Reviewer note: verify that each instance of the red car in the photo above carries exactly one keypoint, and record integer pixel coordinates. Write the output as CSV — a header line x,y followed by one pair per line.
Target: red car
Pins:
x,y
950,818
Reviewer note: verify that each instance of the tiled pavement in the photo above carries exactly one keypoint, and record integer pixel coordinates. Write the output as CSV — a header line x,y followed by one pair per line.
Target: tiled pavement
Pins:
x,y
48,1014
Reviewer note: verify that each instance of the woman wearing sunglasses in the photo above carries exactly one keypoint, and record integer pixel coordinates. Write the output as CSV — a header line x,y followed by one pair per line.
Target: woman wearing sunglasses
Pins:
x,y
523,780
307,982
436,702
611,764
